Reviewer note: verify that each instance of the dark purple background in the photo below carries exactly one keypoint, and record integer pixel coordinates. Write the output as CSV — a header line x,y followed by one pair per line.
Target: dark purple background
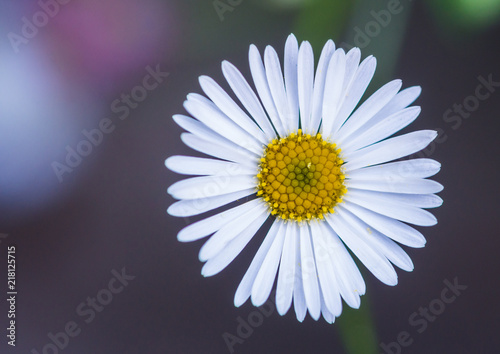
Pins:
x,y
113,216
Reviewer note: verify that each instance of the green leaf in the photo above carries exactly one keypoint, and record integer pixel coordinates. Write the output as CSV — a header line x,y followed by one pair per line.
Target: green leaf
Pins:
x,y
378,28
321,20
357,329
465,15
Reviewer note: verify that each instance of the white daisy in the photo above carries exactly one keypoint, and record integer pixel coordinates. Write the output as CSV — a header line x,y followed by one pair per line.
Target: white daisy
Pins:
x,y
314,165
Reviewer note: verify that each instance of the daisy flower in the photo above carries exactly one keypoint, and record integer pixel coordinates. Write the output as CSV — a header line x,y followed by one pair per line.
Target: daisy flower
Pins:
x,y
299,153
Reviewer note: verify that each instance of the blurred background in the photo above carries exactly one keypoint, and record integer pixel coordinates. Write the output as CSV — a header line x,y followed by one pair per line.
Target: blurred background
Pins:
x,y
87,92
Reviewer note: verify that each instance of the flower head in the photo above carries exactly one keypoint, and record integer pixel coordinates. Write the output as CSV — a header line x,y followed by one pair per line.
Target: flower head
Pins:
x,y
314,164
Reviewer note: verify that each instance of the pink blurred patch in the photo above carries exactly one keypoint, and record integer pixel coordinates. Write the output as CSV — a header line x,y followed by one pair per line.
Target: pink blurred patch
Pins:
x,y
107,41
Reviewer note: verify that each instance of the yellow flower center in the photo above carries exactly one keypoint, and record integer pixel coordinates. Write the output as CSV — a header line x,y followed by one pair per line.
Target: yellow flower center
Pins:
x,y
301,177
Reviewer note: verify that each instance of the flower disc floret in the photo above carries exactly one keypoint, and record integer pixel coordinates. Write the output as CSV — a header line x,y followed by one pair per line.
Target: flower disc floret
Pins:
x,y
300,177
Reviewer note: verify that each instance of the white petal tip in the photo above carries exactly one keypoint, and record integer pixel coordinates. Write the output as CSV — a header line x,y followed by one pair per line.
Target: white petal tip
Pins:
x,y
204,79
355,305
420,244
202,256
432,221
225,65
417,89
391,282
181,237
177,118
258,301
208,271
281,311
171,211
409,269
171,191
168,163
316,315
239,300
396,83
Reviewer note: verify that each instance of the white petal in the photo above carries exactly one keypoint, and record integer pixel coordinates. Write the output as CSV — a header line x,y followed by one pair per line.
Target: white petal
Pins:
x,y
202,131
309,274
226,104
415,168
233,248
327,315
383,244
213,223
326,270
262,86
349,281
264,280
247,97
299,299
354,91
332,100
209,186
319,87
389,149
382,130
245,288
376,263
190,207
305,82
217,149
368,109
206,112
417,200
196,127
391,205
277,86
189,165
352,59
232,229
402,100
287,272
390,227
290,68
393,252
397,185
